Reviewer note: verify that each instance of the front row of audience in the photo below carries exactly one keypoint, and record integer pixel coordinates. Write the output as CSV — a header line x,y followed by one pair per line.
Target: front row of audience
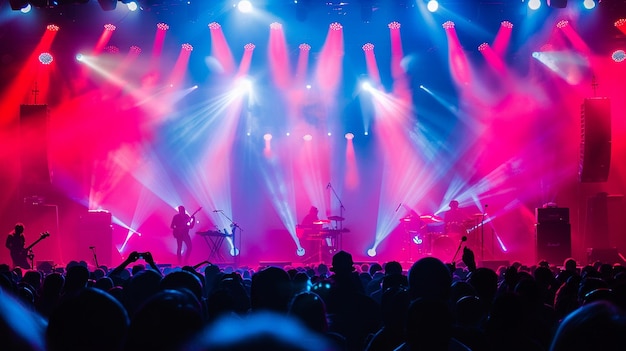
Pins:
x,y
433,306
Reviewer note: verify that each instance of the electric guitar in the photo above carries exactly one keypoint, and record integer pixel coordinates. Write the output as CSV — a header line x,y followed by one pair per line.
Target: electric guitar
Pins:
x,y
182,230
192,217
21,256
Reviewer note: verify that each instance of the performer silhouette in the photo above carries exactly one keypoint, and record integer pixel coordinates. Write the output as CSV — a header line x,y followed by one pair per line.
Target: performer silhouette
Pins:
x,y
181,223
455,219
15,243
311,220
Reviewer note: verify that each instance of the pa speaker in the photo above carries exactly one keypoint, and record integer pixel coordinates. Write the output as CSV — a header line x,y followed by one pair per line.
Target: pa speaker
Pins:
x,y
595,143
554,242
95,238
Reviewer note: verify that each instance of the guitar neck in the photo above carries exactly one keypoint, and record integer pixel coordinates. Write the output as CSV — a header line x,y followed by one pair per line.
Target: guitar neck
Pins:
x,y
198,210
43,236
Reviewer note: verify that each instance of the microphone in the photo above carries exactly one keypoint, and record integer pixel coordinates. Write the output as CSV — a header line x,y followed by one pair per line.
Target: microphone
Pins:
x,y
92,247
397,208
328,185
464,238
217,210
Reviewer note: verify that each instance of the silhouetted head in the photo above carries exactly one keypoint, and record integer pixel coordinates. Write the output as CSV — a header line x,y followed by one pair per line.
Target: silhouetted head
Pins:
x,y
182,280
311,310
342,263
181,209
597,326
454,204
258,331
393,267
165,321
270,290
19,228
429,278
76,278
73,323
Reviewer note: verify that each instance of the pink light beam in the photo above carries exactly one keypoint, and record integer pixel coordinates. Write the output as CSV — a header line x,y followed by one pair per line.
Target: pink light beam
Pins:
x,y
220,49
278,56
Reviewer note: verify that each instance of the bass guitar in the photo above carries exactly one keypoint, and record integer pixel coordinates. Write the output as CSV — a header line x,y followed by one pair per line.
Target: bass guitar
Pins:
x,y
20,257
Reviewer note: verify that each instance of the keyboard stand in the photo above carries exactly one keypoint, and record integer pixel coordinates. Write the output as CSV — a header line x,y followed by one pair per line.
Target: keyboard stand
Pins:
x,y
215,244
214,239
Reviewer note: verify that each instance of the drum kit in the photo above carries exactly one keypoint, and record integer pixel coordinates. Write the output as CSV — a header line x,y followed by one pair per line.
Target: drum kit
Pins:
x,y
435,237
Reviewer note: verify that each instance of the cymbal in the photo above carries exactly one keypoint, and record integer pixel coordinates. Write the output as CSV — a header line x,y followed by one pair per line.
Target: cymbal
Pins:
x,y
479,214
431,218
336,218
321,221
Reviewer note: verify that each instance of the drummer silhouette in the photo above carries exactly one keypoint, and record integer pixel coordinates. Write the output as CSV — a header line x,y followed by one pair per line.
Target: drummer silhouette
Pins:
x,y
455,219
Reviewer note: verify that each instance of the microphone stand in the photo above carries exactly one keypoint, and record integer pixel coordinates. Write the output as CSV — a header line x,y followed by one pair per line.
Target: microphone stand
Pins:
x,y
341,208
95,257
234,227
463,239
482,234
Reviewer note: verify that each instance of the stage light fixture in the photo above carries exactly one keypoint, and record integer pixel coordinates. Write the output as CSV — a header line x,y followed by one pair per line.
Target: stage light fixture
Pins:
x,y
244,6
534,4
618,55
432,6
26,9
559,4
589,4
45,58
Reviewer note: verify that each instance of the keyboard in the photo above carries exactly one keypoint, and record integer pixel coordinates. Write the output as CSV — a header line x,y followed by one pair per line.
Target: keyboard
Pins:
x,y
211,233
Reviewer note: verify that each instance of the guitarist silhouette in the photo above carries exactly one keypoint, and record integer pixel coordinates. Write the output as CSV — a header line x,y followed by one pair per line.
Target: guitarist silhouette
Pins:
x,y
15,243
181,223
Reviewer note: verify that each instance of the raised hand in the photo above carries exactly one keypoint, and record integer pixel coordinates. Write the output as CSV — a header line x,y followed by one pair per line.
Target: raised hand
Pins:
x,y
469,259
134,256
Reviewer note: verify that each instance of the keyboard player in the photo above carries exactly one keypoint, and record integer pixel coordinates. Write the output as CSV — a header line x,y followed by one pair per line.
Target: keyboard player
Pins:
x,y
311,222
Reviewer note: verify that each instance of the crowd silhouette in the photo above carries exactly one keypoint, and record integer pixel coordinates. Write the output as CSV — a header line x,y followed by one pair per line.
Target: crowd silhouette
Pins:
x,y
369,307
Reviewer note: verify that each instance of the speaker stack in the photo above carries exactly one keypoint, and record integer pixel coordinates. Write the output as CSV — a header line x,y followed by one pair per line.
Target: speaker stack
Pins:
x,y
595,142
95,238
553,235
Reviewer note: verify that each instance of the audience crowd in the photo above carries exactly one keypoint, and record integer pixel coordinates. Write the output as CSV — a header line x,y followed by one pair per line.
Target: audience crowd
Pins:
x,y
344,307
